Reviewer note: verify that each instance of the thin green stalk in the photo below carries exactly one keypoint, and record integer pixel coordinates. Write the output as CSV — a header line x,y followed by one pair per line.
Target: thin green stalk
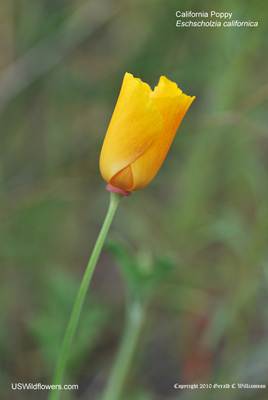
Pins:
x,y
135,318
74,318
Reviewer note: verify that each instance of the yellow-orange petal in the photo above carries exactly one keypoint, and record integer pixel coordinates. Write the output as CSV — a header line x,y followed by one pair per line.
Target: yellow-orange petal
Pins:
x,y
173,108
135,124
123,179
166,88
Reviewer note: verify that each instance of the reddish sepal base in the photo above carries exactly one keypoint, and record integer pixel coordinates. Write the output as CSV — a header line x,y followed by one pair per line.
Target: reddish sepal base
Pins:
x,y
117,190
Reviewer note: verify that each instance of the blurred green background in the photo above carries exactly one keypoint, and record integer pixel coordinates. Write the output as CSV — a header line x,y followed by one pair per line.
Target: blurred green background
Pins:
x,y
62,64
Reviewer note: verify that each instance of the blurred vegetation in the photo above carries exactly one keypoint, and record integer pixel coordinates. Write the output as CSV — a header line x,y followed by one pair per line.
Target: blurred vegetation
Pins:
x,y
61,67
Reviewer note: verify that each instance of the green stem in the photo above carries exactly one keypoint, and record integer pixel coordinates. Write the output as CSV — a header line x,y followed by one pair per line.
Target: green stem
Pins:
x,y
74,318
119,373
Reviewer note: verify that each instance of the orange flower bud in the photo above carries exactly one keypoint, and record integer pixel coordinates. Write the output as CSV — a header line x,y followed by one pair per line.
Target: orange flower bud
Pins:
x,y
142,128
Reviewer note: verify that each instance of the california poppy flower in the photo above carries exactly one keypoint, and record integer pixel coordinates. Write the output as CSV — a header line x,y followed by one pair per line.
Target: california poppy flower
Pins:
x,y
141,131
